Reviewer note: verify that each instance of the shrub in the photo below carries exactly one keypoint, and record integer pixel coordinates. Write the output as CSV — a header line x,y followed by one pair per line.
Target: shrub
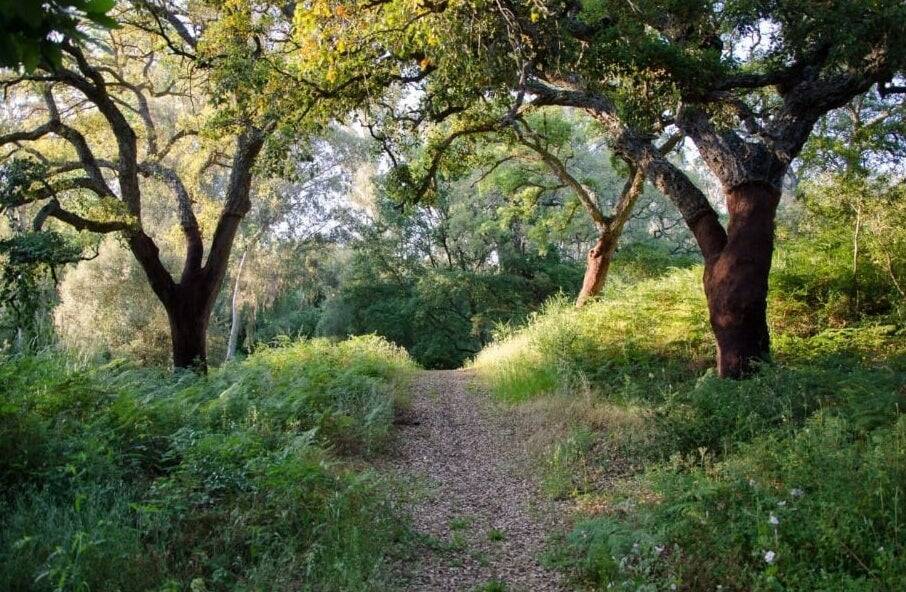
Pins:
x,y
119,478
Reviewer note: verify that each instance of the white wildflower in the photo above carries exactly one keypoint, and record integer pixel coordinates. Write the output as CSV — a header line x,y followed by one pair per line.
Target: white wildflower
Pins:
x,y
774,520
796,492
769,556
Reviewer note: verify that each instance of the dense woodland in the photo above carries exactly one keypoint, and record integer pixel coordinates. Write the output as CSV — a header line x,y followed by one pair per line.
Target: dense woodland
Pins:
x,y
667,236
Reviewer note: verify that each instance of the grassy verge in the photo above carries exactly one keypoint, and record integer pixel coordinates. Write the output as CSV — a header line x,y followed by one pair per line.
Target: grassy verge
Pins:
x,y
253,478
793,480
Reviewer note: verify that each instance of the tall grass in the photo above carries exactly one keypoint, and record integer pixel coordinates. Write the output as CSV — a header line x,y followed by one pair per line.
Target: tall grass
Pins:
x,y
654,327
120,478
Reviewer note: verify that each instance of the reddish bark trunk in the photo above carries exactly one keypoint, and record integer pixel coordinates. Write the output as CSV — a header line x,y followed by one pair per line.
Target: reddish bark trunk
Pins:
x,y
736,279
597,263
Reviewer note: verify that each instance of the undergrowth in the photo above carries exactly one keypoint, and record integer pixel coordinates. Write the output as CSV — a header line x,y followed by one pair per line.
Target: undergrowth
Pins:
x,y
794,479
252,478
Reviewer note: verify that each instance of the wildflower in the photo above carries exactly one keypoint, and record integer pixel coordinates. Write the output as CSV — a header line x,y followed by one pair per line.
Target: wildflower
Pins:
x,y
796,492
774,520
769,556
781,503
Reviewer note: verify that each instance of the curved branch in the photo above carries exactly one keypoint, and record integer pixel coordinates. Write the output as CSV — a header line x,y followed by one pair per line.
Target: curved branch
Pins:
x,y
237,205
530,139
53,209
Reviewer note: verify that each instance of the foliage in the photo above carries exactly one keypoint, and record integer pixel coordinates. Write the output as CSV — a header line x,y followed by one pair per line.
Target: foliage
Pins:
x,y
443,316
118,478
611,339
27,29
28,259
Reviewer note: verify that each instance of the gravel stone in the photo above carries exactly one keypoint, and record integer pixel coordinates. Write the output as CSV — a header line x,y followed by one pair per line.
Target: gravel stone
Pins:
x,y
480,513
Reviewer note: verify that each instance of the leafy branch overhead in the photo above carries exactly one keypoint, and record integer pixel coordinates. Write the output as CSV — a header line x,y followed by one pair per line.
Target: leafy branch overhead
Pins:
x,y
31,32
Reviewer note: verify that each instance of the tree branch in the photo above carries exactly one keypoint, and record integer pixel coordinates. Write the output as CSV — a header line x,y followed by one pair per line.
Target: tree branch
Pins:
x,y
53,209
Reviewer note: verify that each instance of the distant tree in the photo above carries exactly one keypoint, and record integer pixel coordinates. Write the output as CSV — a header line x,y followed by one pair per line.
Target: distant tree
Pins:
x,y
608,227
107,124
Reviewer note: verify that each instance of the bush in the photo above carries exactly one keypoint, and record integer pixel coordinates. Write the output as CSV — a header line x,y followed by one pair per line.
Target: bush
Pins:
x,y
816,510
119,478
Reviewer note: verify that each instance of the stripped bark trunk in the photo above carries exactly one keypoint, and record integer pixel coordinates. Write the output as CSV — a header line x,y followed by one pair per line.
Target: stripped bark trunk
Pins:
x,y
736,280
737,262
597,262
189,312
737,259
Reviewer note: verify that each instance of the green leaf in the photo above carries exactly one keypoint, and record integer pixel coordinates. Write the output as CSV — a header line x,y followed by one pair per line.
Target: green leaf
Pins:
x,y
99,6
53,54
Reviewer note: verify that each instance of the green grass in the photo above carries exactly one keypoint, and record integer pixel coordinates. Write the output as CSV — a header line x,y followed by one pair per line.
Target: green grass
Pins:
x,y
492,586
792,480
254,477
460,523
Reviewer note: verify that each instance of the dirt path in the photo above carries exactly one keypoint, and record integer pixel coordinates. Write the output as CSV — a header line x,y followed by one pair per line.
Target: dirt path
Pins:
x,y
481,519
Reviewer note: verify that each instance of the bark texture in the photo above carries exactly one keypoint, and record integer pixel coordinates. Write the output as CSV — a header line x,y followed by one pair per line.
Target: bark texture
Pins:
x,y
188,333
597,264
736,280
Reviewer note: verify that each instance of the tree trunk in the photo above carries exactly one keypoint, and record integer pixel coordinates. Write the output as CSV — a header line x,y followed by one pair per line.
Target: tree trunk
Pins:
x,y
189,311
597,263
234,311
189,331
856,233
736,280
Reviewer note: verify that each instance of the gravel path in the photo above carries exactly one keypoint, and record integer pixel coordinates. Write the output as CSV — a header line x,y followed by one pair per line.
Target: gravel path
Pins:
x,y
481,519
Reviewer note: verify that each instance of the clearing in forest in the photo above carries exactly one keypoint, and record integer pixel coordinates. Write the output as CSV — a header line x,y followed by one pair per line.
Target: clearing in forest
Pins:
x,y
481,521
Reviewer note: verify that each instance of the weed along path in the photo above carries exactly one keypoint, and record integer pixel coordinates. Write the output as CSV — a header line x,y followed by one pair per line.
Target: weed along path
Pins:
x,y
480,520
